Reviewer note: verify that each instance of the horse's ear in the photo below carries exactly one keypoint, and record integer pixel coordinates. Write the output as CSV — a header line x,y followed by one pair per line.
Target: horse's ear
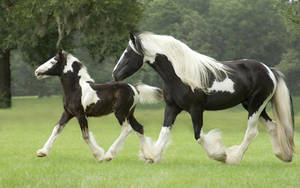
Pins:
x,y
60,53
132,37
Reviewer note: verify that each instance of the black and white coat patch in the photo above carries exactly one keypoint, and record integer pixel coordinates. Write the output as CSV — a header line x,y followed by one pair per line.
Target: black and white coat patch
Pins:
x,y
83,98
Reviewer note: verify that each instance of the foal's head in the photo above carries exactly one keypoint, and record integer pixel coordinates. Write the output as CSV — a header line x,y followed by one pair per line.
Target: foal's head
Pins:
x,y
61,63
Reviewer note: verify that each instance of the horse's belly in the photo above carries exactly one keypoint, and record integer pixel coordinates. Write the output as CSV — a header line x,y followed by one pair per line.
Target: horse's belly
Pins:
x,y
223,100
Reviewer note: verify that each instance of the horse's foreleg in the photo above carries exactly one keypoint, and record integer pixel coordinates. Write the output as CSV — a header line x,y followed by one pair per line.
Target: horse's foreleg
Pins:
x,y
155,151
211,142
89,138
55,133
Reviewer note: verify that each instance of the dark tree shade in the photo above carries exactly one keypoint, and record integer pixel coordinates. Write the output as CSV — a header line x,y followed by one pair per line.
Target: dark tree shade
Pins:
x,y
5,93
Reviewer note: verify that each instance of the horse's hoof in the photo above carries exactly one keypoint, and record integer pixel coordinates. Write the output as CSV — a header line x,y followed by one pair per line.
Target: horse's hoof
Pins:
x,y
284,157
233,155
108,159
41,153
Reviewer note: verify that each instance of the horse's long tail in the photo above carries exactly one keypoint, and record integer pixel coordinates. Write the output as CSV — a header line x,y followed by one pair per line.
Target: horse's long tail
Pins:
x,y
149,94
284,116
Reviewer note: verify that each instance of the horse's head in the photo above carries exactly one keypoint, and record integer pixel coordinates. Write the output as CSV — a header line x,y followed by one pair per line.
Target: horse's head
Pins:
x,y
130,61
53,67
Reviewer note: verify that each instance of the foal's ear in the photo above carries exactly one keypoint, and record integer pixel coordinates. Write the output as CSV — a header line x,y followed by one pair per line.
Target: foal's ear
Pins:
x,y
132,37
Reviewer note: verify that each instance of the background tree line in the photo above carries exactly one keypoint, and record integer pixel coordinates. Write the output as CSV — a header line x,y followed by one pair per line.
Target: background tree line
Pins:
x,y
97,32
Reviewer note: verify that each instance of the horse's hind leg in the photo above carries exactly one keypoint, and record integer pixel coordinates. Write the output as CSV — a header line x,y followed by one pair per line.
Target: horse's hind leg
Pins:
x,y
125,132
255,107
270,126
55,133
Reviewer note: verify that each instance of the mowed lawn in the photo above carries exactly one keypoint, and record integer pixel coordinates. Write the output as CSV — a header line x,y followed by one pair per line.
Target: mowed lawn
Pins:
x,y
27,125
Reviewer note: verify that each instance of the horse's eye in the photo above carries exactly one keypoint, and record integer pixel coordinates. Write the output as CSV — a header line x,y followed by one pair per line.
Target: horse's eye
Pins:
x,y
53,62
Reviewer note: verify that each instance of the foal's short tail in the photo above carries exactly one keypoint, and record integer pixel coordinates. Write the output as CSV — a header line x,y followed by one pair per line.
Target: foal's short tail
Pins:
x,y
284,116
149,94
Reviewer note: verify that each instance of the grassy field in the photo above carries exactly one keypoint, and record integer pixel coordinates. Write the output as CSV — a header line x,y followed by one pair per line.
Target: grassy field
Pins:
x,y
26,127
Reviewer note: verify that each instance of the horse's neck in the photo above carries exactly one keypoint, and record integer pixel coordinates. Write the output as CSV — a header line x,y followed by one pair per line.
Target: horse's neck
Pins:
x,y
166,72
70,84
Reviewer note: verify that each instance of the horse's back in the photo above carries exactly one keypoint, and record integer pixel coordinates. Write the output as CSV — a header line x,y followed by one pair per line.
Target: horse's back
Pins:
x,y
250,73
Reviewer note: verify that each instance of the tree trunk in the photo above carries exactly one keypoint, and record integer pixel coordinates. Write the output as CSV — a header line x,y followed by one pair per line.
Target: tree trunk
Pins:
x,y
5,92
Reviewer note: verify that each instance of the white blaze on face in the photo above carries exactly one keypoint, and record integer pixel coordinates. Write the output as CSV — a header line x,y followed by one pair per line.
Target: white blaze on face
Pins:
x,y
226,85
45,67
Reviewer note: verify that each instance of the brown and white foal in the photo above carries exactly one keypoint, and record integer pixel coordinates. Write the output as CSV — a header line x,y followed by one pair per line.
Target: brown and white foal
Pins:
x,y
83,98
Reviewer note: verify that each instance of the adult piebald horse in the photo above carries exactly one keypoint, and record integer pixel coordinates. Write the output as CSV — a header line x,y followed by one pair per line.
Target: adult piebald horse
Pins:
x,y
194,82
83,98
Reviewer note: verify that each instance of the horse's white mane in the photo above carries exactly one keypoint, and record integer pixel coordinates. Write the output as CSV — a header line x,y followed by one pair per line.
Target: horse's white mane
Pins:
x,y
190,66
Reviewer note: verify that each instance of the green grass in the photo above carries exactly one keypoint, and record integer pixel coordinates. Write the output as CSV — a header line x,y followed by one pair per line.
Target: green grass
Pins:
x,y
26,127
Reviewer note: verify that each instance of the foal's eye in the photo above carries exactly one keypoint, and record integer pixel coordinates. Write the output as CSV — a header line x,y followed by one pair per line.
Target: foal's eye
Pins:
x,y
53,62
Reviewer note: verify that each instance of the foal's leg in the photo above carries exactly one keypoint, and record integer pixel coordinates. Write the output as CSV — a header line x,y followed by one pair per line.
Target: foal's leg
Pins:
x,y
255,108
121,113
164,139
211,142
65,117
146,142
89,138
118,144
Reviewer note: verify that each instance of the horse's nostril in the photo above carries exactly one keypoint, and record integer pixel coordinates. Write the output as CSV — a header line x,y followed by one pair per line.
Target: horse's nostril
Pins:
x,y
37,73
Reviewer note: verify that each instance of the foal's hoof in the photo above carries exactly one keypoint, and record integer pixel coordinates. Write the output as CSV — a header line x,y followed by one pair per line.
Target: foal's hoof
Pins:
x,y
109,156
149,161
42,153
98,158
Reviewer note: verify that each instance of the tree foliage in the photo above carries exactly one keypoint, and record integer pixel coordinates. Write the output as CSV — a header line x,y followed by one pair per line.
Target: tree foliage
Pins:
x,y
290,66
290,9
38,28
100,26
223,29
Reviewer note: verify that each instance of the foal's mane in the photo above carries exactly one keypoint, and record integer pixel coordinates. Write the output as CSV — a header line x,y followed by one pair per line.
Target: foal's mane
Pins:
x,y
83,73
190,66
